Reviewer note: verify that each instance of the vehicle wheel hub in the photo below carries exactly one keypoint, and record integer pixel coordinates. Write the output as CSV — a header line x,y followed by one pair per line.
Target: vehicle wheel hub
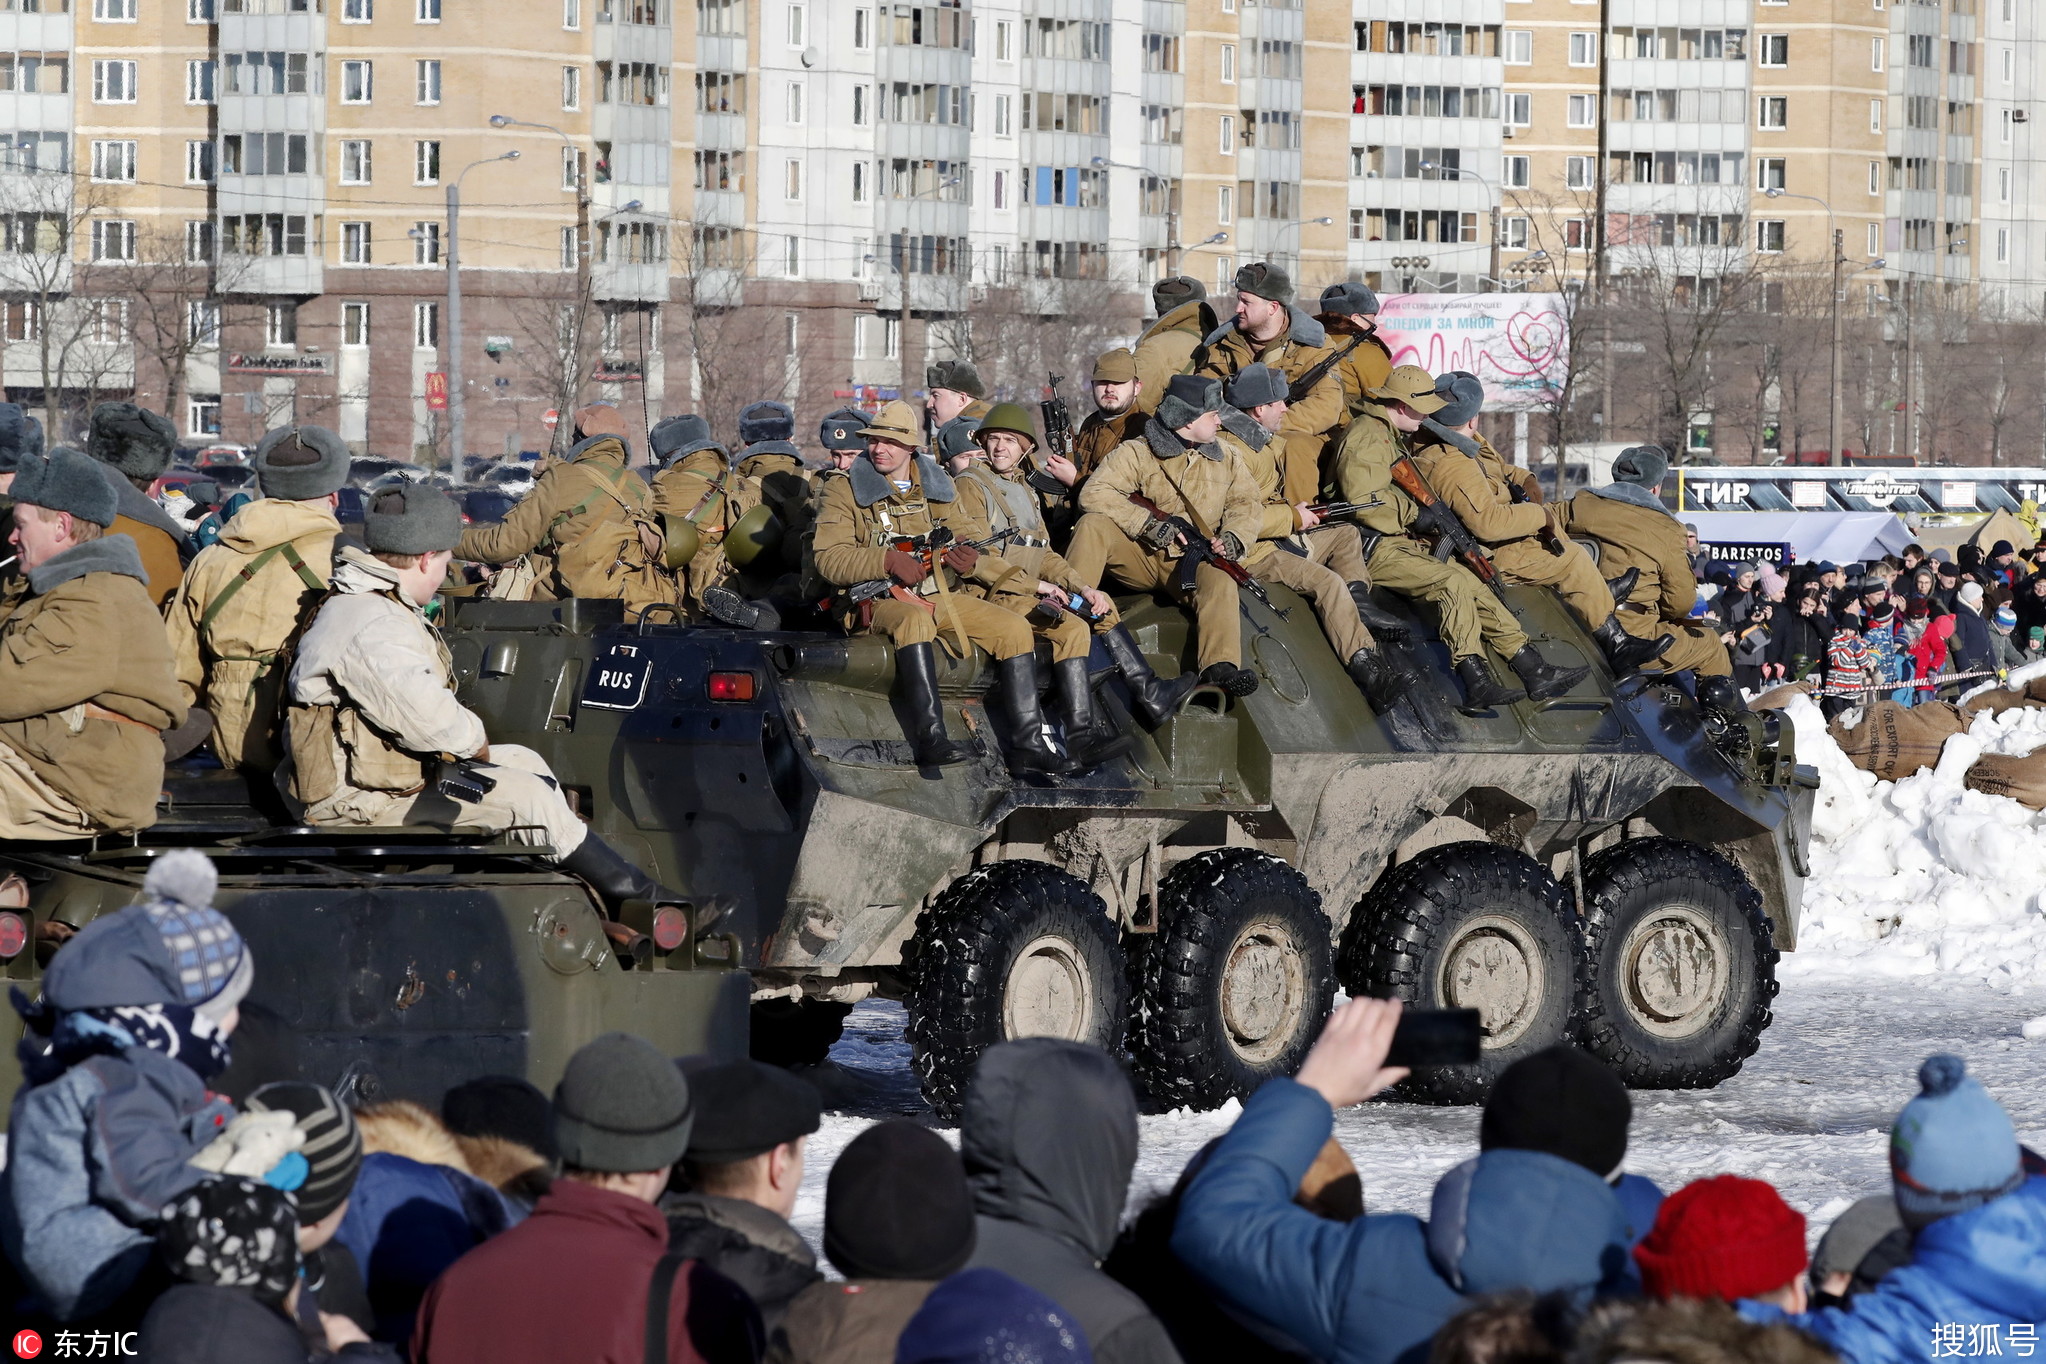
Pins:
x,y
1493,966
1264,988
1049,990
1674,966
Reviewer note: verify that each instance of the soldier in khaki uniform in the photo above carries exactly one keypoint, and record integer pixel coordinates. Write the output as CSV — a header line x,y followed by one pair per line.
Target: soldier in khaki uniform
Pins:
x,y
86,683
1166,348
1637,535
1350,313
1401,560
1269,330
1529,543
892,493
998,488
244,596
593,516
768,455
135,446
956,390
21,437
839,434
1179,464
700,494
1118,416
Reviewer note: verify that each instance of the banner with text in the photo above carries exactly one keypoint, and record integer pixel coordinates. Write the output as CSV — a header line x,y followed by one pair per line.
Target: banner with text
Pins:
x,y
1518,344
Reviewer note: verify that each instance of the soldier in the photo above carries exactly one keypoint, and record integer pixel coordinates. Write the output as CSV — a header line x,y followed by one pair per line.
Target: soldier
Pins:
x,y
1178,464
86,682
896,493
1642,544
1350,311
1006,501
376,734
1401,560
1268,329
1118,416
1529,543
1166,348
593,516
135,446
956,389
839,434
953,446
246,594
21,436
768,455
700,495
1328,570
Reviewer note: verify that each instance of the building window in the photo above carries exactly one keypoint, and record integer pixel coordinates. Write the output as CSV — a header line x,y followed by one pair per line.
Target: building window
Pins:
x,y
280,324
1228,147
1875,115
202,322
571,168
571,87
1003,125
114,11
426,326
357,11
1001,189
113,161
1228,63
202,82
2003,181
1005,41
1771,172
861,107
427,82
199,241
358,82
1875,240
1773,49
2005,131
792,256
355,244
1225,204
794,103
2003,246
355,325
1577,172
198,11
266,234
1519,110
1514,172
113,239
860,184
426,163
426,243
1583,111
1769,235
571,13
113,82
1875,177
1584,49
199,162
863,30
1876,49
263,154
1772,113
792,180
202,414
355,164
1513,233
1518,48
428,12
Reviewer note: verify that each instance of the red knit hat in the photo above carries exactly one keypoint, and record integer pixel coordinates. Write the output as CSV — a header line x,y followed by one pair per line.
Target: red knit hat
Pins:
x,y
1724,1237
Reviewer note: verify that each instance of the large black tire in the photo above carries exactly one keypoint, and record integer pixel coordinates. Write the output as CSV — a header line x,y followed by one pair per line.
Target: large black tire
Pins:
x,y
1014,949
1469,925
1679,964
796,1032
1235,985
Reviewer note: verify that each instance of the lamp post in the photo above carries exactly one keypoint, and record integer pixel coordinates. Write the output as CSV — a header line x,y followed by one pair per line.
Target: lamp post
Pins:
x,y
562,433
1294,227
1497,204
902,279
1835,456
454,334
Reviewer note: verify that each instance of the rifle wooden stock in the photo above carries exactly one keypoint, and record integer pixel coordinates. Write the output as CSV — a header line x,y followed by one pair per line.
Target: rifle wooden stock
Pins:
x,y
1452,537
1198,551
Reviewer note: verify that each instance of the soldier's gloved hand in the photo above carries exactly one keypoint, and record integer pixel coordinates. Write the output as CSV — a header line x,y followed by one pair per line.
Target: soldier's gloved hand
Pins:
x,y
1228,546
962,559
905,567
1159,535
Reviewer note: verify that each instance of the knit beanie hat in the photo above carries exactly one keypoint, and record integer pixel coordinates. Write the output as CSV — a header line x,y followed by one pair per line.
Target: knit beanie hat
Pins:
x,y
621,1107
233,1233
20,434
2005,618
1562,1101
982,1316
896,1206
1953,1147
171,948
132,439
1187,398
747,1107
1854,1234
411,518
300,463
1971,593
67,481
332,1147
505,1106
1723,1237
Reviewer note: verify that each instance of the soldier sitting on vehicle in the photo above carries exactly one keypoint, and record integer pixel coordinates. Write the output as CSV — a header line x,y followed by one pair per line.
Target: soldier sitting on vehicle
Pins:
x,y
134,446
1178,465
1328,568
1269,330
701,496
895,497
952,444
768,455
1398,549
594,518
1166,348
1002,497
1350,313
956,390
245,595
1527,541
839,434
21,437
1642,545
376,734
86,682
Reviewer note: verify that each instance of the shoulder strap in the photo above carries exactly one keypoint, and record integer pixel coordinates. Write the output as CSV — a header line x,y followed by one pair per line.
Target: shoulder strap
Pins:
x,y
239,581
605,488
298,566
658,1294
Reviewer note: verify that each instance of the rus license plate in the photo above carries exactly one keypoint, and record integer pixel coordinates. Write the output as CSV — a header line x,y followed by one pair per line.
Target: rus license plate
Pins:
x,y
618,681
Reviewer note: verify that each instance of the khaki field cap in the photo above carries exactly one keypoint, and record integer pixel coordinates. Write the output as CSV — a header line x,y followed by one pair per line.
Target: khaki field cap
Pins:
x,y
1116,366
897,421
1411,385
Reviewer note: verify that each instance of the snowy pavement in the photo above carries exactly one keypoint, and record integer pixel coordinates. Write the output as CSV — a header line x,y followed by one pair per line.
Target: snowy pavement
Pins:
x,y
1923,932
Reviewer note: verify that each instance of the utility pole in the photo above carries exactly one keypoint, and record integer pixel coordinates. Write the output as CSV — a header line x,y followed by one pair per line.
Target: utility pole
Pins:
x,y
454,318
564,434
1836,456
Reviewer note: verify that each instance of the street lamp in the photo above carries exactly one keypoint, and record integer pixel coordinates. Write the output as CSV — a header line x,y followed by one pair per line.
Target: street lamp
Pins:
x,y
1498,197
582,258
902,280
1835,456
454,338
1294,227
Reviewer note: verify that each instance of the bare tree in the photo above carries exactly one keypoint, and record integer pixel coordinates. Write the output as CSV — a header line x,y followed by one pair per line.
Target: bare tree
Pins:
x,y
173,298
50,217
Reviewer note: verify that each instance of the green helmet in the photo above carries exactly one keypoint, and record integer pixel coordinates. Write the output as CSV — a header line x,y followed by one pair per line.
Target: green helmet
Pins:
x,y
1010,417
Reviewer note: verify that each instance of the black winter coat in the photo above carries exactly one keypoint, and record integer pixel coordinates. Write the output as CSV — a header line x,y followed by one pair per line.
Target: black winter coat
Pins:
x,y
1795,636
1970,645
201,1324
748,1245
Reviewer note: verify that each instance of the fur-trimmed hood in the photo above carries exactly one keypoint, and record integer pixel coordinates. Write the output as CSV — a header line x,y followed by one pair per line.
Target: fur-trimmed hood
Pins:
x,y
1689,1331
1634,495
870,485
1166,444
1455,440
1244,427
108,554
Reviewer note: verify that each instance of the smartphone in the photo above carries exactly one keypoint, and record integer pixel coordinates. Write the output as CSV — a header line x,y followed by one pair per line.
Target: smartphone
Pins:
x,y
1436,1037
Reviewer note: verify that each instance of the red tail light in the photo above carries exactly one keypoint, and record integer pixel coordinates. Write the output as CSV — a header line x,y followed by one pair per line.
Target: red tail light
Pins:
x,y
732,686
13,936
671,928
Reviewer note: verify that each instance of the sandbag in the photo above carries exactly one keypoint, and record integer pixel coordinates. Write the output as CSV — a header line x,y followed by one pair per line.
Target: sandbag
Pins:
x,y
1997,700
1776,698
2022,779
1894,741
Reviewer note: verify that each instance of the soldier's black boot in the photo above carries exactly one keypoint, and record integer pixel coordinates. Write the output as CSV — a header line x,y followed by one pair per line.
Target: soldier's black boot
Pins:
x,y
1622,587
617,880
916,668
1542,678
1089,741
1384,626
1378,677
1626,653
1028,751
1720,692
1481,690
1158,699
729,608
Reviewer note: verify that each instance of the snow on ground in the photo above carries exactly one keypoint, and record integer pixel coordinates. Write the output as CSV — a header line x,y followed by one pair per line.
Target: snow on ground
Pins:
x,y
1923,931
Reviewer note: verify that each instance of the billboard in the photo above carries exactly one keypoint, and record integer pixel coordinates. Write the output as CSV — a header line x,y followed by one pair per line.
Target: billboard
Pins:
x,y
1518,344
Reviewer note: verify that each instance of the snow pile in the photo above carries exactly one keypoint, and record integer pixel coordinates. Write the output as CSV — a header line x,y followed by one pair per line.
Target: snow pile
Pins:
x,y
1923,875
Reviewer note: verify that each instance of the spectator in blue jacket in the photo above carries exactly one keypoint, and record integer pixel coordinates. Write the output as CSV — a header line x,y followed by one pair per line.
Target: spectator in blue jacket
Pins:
x,y
1375,1290
1978,1253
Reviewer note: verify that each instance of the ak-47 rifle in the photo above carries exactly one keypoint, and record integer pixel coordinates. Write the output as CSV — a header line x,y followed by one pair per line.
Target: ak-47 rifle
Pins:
x,y
1197,551
1058,437
1298,390
1451,535
925,549
1330,514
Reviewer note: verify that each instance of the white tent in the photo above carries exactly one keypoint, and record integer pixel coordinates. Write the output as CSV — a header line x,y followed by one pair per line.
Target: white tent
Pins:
x,y
1841,537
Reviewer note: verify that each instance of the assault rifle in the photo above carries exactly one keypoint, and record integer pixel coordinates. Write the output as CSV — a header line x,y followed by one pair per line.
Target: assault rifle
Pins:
x,y
1198,551
1058,437
1451,535
1298,390
926,549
